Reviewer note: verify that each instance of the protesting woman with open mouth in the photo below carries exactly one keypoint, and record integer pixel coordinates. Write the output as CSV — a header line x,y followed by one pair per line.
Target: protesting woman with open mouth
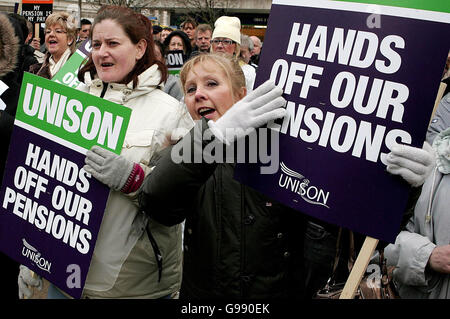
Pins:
x,y
238,242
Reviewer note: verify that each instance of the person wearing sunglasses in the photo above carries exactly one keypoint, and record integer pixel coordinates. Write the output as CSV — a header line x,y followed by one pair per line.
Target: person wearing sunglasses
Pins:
x,y
226,39
60,34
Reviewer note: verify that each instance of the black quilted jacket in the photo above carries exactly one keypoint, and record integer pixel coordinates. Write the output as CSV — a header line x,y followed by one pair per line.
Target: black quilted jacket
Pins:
x,y
238,243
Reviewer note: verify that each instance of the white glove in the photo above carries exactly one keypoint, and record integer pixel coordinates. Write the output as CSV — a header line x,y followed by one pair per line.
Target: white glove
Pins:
x,y
411,163
26,280
256,109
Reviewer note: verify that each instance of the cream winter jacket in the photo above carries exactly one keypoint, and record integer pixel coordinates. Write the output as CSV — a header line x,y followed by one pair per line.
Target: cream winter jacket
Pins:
x,y
124,263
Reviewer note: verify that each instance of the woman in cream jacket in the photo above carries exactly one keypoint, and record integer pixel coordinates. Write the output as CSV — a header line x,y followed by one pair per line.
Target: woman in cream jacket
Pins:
x,y
134,256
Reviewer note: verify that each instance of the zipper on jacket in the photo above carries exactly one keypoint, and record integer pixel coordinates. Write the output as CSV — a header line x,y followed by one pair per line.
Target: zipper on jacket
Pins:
x,y
105,87
431,197
243,229
218,193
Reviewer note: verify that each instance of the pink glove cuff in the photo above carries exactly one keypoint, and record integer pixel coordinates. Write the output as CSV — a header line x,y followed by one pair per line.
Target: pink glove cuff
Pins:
x,y
135,180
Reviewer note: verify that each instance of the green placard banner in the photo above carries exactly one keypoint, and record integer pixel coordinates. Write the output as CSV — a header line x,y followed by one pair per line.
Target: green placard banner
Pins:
x,y
74,116
68,74
431,5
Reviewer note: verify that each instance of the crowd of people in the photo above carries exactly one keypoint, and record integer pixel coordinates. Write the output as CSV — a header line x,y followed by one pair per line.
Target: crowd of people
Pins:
x,y
218,238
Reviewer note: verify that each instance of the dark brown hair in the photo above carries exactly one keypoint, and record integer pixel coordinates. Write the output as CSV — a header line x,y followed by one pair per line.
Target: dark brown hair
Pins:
x,y
137,27
190,21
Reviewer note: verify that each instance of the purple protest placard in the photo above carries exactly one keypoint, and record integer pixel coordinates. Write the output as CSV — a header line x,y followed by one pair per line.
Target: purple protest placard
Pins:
x,y
51,208
353,87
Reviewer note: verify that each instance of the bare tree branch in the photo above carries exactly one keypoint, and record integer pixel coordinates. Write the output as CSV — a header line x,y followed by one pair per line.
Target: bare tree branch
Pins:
x,y
207,10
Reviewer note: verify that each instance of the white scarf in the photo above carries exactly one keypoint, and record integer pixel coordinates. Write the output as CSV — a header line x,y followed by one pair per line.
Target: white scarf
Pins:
x,y
442,146
56,66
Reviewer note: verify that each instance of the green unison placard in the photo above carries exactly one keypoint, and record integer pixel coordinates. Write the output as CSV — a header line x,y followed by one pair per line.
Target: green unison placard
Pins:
x,y
74,116
69,72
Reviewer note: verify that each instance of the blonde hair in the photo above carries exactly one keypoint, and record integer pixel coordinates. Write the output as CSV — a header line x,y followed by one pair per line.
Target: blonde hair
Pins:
x,y
67,21
237,52
234,74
